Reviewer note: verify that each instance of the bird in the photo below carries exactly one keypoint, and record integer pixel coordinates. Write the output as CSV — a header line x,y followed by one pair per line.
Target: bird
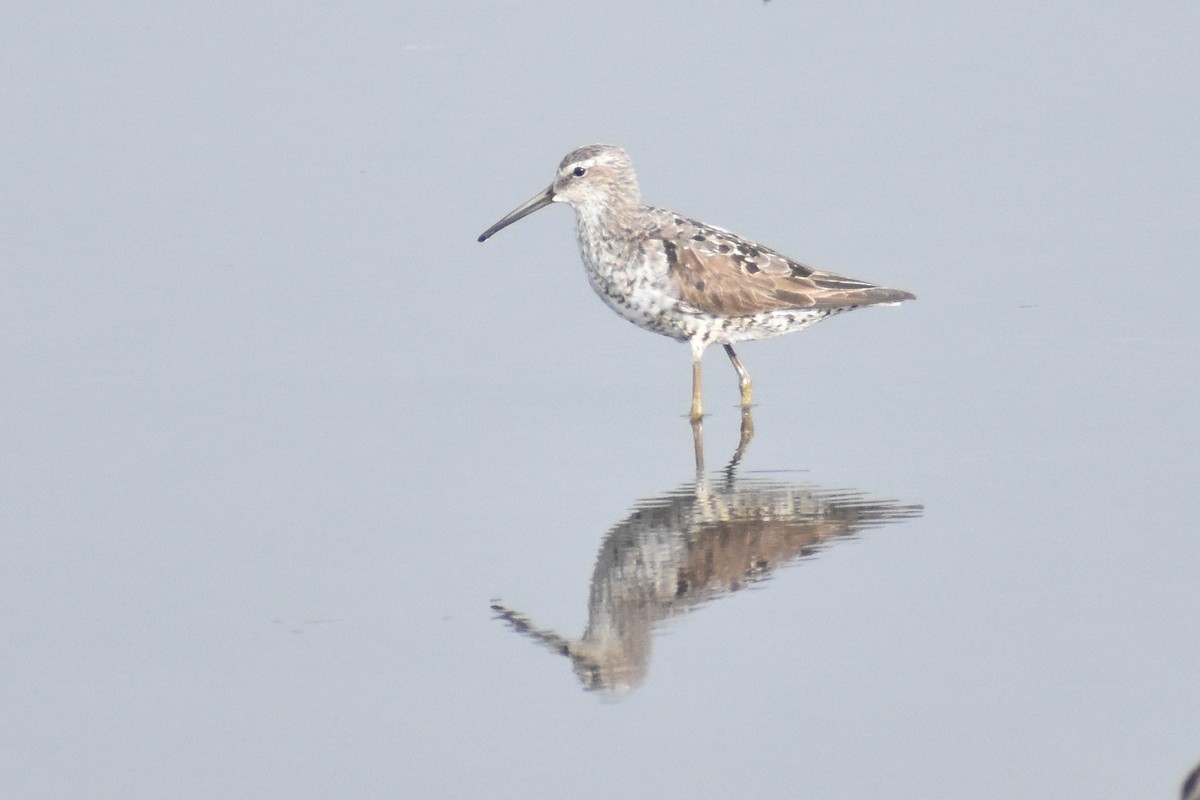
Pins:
x,y
682,278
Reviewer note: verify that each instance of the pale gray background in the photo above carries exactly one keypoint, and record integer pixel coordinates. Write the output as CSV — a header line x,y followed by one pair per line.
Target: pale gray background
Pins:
x,y
276,429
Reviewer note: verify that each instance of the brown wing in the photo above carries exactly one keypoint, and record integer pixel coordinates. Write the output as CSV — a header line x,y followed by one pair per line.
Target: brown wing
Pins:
x,y
721,273
738,285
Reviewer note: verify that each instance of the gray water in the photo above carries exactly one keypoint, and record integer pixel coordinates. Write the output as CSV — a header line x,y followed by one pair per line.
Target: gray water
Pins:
x,y
306,493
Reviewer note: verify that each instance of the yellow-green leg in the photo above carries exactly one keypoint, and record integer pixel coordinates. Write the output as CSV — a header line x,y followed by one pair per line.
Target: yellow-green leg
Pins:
x,y
697,354
743,376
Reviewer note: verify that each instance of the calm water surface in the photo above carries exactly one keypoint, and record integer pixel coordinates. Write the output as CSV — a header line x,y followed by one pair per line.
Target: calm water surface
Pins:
x,y
307,494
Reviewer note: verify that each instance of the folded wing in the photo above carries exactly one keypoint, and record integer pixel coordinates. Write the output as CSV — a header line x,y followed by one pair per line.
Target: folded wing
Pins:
x,y
721,273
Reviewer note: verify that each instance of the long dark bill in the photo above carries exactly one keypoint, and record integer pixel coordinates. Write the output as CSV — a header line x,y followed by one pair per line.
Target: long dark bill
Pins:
x,y
541,200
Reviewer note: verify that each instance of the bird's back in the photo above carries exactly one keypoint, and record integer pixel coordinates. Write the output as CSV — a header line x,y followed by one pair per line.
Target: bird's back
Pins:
x,y
722,273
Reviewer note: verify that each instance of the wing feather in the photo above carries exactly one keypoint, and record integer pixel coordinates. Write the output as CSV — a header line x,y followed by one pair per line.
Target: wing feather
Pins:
x,y
721,273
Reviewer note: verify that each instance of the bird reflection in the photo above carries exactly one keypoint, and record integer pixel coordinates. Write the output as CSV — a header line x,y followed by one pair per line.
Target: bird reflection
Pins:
x,y
701,541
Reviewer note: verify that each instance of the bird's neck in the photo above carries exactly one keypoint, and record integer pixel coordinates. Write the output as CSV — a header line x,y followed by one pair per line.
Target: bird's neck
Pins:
x,y
611,223
607,238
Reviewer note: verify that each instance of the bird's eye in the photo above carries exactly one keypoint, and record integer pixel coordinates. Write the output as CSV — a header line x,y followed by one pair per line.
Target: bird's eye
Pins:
x,y
578,172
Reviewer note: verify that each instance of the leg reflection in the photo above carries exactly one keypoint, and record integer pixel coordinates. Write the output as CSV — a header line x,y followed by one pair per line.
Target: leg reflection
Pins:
x,y
746,434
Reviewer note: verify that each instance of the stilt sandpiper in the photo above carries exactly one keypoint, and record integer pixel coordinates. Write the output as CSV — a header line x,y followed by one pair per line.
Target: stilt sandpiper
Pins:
x,y
693,282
